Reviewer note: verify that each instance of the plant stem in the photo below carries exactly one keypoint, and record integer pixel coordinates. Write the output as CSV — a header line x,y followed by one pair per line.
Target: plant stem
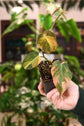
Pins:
x,y
55,11
57,19
45,57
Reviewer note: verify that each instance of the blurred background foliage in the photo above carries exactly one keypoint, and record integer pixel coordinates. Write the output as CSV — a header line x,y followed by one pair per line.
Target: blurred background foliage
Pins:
x,y
22,96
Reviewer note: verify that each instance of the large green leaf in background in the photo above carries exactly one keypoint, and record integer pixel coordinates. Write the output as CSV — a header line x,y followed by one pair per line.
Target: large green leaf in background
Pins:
x,y
60,73
72,60
31,60
47,42
16,24
74,66
18,19
69,28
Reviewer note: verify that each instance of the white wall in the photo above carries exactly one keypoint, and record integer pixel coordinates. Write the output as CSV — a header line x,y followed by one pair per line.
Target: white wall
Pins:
x,y
76,14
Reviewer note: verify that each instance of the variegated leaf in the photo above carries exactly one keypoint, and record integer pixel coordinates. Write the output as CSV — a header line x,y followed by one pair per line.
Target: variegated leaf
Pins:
x,y
47,42
61,75
31,60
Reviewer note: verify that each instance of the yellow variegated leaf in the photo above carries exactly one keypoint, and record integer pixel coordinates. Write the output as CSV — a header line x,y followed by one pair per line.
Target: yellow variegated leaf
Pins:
x,y
52,43
49,33
31,60
61,75
47,42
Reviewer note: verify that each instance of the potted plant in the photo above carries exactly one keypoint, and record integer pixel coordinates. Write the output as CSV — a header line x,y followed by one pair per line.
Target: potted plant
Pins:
x,y
47,43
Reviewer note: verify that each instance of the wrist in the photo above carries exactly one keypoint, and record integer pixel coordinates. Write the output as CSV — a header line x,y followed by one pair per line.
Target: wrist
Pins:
x,y
76,97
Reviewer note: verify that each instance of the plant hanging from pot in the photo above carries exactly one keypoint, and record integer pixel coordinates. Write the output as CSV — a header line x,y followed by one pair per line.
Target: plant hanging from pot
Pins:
x,y
47,43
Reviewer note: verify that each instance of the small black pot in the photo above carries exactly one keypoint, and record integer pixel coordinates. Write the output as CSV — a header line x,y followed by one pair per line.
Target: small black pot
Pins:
x,y
45,72
48,86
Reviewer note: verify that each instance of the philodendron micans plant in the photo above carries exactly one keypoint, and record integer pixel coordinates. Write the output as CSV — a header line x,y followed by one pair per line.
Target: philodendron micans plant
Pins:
x,y
47,43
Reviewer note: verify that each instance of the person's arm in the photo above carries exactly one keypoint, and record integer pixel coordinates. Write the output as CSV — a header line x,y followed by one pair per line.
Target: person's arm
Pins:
x,y
79,109
72,99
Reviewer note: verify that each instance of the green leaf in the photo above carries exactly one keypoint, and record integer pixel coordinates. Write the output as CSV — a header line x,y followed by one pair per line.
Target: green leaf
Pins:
x,y
45,21
7,77
33,36
61,72
63,29
43,114
31,60
72,60
48,22
34,49
16,24
5,66
24,39
47,42
69,28
73,29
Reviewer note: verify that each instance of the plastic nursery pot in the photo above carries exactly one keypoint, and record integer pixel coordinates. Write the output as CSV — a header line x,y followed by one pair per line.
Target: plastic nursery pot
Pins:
x,y
45,72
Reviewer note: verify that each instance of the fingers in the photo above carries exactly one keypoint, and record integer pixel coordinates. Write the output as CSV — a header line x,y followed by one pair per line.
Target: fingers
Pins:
x,y
54,97
52,93
41,88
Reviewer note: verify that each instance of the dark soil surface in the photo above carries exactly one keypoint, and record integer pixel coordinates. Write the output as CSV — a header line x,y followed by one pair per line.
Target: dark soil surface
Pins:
x,y
45,70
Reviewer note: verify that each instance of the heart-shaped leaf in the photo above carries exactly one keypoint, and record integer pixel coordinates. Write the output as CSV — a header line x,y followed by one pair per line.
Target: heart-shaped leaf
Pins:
x,y
48,22
61,75
45,21
31,60
47,42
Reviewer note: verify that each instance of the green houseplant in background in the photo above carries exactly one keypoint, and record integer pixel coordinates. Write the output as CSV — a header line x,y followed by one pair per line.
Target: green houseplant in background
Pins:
x,y
23,97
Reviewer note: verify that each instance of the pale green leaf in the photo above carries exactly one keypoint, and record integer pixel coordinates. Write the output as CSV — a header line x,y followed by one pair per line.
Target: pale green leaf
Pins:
x,y
61,75
31,60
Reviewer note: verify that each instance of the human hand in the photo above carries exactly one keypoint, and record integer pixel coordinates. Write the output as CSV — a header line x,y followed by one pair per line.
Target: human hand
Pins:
x,y
66,101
